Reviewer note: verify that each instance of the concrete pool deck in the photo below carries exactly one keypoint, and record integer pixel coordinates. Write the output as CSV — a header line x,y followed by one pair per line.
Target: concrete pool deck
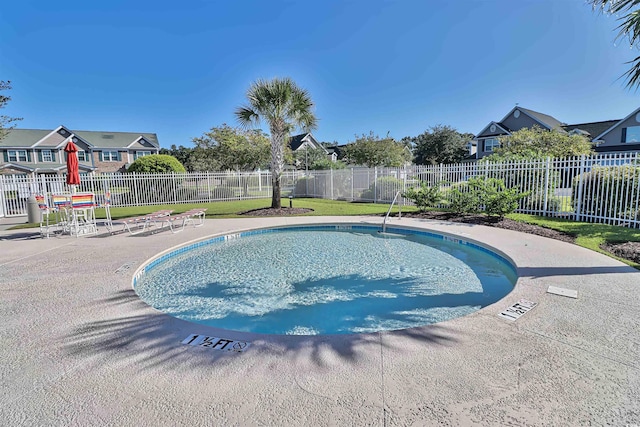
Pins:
x,y
79,347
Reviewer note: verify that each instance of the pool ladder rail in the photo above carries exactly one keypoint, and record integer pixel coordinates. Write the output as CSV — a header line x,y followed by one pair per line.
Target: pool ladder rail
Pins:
x,y
386,217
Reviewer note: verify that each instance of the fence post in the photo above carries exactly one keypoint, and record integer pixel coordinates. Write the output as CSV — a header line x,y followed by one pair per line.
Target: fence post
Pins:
x,y
175,189
331,175
352,186
546,186
135,188
580,185
375,183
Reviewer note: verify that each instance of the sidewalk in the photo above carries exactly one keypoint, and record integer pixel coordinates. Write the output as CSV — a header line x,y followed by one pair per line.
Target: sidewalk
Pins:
x,y
8,222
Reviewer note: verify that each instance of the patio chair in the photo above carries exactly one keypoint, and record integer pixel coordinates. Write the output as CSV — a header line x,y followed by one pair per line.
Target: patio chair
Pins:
x,y
139,224
62,206
178,222
83,218
45,210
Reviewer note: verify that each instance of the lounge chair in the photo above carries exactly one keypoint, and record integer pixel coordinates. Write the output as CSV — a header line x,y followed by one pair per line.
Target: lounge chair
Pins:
x,y
139,224
178,222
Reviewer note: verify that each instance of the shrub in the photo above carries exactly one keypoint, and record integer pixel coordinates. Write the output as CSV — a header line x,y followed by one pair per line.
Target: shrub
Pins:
x,y
488,194
156,163
608,191
384,189
424,196
302,184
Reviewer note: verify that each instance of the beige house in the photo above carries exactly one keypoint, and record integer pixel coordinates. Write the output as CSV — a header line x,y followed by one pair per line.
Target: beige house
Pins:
x,y
36,151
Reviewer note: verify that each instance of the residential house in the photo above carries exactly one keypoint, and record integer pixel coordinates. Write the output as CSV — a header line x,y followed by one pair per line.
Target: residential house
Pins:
x,y
608,136
36,151
518,118
306,141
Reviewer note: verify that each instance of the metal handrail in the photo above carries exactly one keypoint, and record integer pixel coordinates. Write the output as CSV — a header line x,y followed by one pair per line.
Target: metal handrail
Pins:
x,y
384,223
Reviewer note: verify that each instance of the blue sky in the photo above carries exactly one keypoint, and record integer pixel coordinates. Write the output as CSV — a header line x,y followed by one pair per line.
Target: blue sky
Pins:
x,y
397,67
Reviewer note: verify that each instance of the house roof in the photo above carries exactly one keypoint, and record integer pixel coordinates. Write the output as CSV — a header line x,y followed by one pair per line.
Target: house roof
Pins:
x,y
296,141
594,128
502,126
599,136
26,138
23,138
102,139
623,147
44,167
549,121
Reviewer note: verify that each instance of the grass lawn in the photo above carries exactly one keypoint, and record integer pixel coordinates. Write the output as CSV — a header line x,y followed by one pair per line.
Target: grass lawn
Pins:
x,y
588,235
321,207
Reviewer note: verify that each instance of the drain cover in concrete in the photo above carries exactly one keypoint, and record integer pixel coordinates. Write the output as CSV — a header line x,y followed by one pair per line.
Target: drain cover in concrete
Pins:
x,y
215,343
518,309
563,292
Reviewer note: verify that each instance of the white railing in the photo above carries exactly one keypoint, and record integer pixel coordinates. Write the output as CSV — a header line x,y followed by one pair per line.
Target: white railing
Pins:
x,y
603,189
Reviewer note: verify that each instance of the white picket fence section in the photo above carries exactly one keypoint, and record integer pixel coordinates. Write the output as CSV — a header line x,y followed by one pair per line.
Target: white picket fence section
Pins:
x,y
602,189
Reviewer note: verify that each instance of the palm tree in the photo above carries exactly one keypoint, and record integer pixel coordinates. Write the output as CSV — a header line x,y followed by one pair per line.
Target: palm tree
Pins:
x,y
284,106
628,28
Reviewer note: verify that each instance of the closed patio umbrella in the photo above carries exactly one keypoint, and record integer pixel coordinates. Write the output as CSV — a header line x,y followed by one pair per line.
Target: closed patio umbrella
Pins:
x,y
73,172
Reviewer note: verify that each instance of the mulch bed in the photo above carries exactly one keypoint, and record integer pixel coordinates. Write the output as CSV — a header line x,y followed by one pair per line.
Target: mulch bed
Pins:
x,y
627,250
276,212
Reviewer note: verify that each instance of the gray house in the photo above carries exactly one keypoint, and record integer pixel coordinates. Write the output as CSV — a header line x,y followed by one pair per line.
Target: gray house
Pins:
x,y
608,136
36,151
306,141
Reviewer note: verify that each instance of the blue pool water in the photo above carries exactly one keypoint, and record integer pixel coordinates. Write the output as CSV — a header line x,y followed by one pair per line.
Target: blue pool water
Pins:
x,y
327,280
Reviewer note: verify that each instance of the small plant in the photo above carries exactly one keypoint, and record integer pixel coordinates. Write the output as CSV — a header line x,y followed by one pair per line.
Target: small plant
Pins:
x,y
464,202
488,194
424,196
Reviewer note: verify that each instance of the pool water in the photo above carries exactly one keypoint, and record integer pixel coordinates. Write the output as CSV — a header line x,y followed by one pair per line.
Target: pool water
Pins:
x,y
306,282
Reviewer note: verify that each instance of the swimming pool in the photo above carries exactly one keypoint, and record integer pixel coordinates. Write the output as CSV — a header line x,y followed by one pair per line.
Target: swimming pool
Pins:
x,y
325,279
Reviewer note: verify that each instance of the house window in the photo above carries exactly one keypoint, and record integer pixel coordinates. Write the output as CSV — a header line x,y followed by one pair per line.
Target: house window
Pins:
x,y
47,156
109,156
142,153
17,155
631,134
83,156
491,143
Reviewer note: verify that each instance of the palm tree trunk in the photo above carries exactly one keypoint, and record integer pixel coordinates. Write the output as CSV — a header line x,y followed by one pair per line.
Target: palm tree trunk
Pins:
x,y
277,163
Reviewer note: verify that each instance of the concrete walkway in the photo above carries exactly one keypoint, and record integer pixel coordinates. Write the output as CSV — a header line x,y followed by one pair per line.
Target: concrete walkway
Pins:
x,y
79,348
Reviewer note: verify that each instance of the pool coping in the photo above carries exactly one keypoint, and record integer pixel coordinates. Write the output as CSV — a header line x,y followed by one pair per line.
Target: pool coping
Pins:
x,y
80,349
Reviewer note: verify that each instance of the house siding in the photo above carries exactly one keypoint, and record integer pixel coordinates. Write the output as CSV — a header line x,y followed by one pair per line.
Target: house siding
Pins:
x,y
52,141
614,137
523,121
109,167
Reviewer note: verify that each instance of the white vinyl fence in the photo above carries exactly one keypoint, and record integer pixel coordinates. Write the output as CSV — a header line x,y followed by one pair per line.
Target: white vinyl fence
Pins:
x,y
604,189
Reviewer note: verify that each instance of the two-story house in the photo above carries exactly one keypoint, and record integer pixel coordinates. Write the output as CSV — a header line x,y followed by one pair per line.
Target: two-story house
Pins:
x,y
608,136
36,151
306,141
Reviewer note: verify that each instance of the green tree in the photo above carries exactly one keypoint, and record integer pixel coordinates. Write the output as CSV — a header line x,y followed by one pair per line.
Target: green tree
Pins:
x,y
628,14
538,143
305,157
326,164
236,149
183,154
285,107
203,159
156,163
5,121
371,151
440,144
